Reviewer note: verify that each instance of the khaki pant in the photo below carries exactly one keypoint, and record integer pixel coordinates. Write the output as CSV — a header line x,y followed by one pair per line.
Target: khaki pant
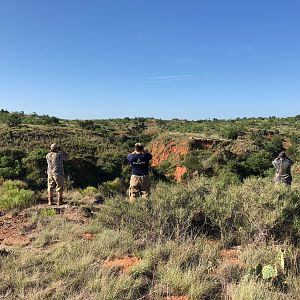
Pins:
x,y
55,182
139,186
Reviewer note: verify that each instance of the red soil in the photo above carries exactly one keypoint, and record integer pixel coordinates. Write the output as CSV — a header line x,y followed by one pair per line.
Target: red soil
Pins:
x,y
231,256
13,230
125,263
19,230
161,151
88,235
179,172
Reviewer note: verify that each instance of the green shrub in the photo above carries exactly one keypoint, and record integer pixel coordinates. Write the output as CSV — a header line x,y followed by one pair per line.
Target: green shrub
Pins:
x,y
171,212
13,119
13,184
243,210
274,146
12,195
9,168
90,191
35,168
47,212
231,132
111,188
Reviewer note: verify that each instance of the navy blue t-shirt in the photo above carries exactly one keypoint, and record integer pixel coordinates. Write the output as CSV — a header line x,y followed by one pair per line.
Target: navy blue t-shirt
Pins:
x,y
139,163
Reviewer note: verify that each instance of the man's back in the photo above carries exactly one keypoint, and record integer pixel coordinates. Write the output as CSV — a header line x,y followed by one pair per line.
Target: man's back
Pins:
x,y
139,163
55,163
282,169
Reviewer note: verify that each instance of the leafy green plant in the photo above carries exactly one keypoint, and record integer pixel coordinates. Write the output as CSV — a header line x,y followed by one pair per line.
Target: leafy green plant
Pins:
x,y
47,212
13,119
9,168
110,188
35,168
13,196
90,191
231,132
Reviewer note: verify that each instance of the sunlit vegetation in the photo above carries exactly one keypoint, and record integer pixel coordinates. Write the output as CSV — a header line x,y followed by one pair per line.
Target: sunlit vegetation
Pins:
x,y
224,231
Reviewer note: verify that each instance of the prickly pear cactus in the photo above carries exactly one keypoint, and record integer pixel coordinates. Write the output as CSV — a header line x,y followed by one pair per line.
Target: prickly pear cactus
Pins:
x,y
269,272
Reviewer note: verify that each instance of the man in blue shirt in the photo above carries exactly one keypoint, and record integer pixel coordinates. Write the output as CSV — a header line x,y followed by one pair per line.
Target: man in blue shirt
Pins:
x,y
139,181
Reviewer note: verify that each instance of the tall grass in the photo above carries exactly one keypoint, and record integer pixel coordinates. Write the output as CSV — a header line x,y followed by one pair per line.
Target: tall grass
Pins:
x,y
177,234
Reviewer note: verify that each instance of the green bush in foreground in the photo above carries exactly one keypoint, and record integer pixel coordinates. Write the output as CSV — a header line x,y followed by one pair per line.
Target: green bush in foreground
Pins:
x,y
235,212
13,194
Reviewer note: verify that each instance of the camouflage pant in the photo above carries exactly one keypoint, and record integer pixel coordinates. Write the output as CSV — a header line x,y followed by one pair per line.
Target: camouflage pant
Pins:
x,y
55,182
284,179
139,186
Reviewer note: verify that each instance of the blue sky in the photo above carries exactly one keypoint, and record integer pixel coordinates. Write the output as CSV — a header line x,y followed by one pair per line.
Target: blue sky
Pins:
x,y
154,58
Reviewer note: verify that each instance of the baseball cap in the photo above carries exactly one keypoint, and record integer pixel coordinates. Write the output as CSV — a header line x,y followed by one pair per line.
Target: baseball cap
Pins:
x,y
54,146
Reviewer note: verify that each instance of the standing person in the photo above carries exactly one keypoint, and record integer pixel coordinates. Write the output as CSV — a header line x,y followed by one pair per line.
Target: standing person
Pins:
x,y
139,181
55,160
283,166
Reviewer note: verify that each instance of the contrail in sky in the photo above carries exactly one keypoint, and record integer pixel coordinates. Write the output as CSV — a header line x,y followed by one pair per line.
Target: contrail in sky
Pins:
x,y
194,76
170,77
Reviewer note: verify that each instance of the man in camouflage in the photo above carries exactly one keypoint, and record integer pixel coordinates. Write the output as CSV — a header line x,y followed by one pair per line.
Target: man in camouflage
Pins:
x,y
139,180
55,171
283,166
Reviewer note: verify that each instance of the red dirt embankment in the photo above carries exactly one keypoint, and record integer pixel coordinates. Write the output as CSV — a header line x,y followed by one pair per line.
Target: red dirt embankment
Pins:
x,y
179,172
162,150
175,149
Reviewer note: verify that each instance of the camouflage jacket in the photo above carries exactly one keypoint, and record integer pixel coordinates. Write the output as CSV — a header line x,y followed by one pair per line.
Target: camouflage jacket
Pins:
x,y
55,163
282,168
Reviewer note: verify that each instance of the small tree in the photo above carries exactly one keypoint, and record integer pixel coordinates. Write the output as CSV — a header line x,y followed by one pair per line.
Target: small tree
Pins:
x,y
9,168
13,120
36,166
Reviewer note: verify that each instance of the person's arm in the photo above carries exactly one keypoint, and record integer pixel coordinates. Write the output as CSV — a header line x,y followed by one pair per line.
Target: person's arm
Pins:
x,y
275,162
64,154
130,157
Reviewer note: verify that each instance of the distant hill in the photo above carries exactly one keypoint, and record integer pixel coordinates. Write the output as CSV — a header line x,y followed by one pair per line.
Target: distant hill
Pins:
x,y
181,148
